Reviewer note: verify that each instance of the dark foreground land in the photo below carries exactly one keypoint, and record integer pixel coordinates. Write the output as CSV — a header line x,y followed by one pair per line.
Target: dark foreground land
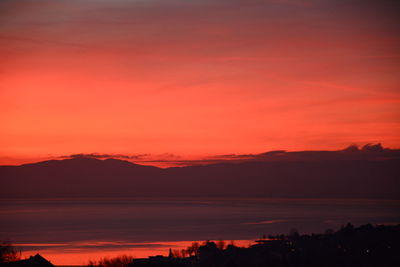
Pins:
x,y
363,246
366,245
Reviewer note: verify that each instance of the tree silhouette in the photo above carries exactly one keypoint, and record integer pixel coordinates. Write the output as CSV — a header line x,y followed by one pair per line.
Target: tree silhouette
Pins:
x,y
120,261
193,250
8,253
221,244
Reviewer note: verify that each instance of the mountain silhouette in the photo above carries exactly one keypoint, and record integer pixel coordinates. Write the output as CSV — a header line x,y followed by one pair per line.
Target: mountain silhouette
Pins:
x,y
89,177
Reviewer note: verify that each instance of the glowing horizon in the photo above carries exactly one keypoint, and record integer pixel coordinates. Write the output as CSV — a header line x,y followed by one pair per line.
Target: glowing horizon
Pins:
x,y
166,160
83,252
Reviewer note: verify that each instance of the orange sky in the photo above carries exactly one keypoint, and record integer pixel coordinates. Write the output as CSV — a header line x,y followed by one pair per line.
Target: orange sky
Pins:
x,y
196,77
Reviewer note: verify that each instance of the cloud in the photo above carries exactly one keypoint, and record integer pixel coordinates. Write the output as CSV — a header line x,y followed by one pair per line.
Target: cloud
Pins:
x,y
40,41
106,156
372,148
88,245
267,222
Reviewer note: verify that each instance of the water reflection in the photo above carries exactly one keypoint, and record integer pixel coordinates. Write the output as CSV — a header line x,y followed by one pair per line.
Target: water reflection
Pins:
x,y
82,228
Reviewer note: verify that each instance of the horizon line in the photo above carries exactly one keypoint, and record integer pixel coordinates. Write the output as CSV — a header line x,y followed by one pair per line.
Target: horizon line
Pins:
x,y
167,160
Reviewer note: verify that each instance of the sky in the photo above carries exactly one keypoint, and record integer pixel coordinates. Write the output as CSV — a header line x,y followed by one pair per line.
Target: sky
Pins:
x,y
193,78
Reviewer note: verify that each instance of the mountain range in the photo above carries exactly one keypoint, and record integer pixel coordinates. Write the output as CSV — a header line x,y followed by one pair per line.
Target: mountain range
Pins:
x,y
322,175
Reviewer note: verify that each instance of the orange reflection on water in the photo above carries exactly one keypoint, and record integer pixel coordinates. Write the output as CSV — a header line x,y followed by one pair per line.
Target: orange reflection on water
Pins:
x,y
82,253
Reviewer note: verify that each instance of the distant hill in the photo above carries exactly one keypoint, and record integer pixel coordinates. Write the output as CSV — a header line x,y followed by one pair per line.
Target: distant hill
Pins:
x,y
296,178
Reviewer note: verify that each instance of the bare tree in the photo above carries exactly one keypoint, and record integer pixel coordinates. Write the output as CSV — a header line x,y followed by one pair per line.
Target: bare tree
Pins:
x,y
8,253
120,261
194,249
221,244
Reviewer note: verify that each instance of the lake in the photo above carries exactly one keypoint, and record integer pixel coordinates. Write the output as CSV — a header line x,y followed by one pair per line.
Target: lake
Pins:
x,y
73,231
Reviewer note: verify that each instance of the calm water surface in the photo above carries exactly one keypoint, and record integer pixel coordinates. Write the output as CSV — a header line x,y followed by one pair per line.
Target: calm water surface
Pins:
x,y
72,231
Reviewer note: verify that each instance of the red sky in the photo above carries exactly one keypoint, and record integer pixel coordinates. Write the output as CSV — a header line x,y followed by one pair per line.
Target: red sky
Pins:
x,y
196,77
